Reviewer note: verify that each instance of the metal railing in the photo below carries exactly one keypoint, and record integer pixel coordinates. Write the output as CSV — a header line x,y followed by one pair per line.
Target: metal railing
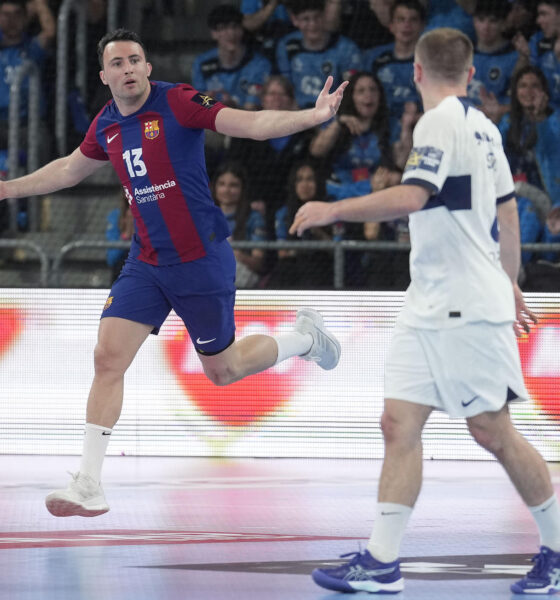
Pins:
x,y
43,259
61,108
338,250
58,259
31,70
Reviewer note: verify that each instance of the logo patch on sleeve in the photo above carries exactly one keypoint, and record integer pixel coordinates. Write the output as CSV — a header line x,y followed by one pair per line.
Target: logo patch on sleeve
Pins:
x,y
426,158
203,100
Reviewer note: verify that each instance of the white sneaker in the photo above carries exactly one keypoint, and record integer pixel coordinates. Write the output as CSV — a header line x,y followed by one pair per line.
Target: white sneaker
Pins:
x,y
325,350
83,497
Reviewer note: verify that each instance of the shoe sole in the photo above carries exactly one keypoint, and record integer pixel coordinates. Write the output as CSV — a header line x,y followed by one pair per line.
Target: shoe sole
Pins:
x,y
339,585
545,591
316,318
65,508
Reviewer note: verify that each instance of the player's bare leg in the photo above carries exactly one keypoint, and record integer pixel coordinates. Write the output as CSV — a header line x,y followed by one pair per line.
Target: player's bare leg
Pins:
x,y
255,353
528,472
118,342
401,476
526,468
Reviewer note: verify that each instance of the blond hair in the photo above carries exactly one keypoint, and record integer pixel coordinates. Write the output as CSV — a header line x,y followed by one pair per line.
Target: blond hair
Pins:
x,y
445,53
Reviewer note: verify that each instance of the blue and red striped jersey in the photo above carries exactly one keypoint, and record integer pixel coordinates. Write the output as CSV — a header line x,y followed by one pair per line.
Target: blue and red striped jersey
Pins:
x,y
158,154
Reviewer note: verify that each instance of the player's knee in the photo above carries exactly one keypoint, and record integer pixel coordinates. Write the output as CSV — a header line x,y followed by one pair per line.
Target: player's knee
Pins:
x,y
489,438
107,361
222,375
395,431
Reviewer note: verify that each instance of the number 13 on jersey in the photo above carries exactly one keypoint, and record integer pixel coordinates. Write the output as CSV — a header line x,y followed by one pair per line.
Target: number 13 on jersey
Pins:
x,y
136,166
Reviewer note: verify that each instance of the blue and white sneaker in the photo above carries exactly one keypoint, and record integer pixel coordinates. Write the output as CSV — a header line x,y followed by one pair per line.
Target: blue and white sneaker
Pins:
x,y
362,573
544,577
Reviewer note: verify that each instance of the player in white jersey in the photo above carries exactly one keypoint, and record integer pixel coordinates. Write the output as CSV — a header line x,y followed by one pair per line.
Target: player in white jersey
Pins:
x,y
454,344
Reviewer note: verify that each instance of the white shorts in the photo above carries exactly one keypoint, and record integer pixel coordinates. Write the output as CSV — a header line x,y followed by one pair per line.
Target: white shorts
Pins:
x,y
463,371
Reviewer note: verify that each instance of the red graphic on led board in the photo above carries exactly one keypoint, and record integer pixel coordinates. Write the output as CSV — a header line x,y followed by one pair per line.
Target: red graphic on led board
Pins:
x,y
245,401
11,324
540,360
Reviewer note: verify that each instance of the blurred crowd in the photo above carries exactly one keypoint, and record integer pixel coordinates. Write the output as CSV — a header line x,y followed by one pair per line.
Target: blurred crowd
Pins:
x,y
276,54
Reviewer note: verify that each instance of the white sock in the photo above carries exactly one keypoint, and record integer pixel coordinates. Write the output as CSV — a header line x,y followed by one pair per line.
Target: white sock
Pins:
x,y
547,516
388,530
96,439
292,344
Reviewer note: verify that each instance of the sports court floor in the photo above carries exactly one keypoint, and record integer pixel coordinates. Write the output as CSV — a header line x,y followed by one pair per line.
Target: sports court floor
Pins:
x,y
253,529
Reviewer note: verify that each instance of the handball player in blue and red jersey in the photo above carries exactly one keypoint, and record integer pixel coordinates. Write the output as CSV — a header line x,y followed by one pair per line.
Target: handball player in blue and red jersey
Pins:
x,y
153,135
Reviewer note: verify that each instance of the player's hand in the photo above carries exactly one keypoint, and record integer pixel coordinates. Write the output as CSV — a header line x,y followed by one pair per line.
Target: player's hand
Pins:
x,y
522,314
327,104
312,214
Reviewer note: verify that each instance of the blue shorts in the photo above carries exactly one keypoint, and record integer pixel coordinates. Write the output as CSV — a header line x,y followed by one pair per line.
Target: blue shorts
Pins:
x,y
201,292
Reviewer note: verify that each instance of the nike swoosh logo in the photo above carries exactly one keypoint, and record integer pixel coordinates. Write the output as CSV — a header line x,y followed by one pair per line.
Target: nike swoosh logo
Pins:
x,y
199,341
463,403
105,433
110,139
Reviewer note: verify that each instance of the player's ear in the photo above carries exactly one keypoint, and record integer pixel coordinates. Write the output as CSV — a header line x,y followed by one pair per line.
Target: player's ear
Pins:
x,y
472,71
149,68
102,77
418,72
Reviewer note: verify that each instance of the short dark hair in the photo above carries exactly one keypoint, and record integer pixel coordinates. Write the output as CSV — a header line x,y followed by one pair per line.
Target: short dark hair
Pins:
x,y
224,14
298,6
119,35
411,5
492,8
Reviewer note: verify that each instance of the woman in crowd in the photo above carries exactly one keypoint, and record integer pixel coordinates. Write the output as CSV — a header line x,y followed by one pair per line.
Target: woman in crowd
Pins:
x,y
306,269
530,132
230,193
358,140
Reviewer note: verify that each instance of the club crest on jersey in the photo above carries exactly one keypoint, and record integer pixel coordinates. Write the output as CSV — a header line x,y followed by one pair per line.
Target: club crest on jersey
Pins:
x,y
151,129
203,100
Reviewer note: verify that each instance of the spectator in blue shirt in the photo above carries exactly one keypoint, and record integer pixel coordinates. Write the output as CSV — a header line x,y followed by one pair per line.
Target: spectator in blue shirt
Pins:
x,y
268,21
268,162
16,46
359,139
452,13
393,63
230,192
231,72
494,59
530,133
543,49
312,53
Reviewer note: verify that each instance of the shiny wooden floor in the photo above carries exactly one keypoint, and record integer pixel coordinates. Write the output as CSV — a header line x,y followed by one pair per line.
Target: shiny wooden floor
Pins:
x,y
253,529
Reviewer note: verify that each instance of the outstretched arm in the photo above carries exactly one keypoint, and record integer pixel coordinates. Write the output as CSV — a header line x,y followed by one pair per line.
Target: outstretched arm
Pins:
x,y
56,175
266,124
385,205
510,252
